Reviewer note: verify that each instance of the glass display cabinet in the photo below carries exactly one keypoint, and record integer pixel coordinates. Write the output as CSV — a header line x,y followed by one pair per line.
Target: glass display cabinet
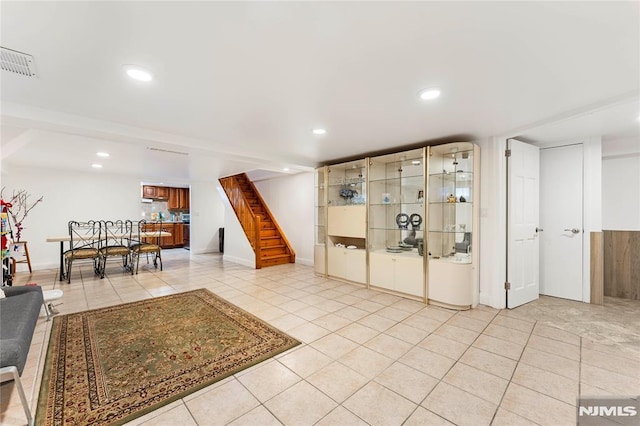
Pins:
x,y
453,217
397,222
320,211
347,221
404,223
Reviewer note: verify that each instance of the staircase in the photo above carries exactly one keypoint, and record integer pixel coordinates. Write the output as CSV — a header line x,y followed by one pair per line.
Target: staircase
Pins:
x,y
267,239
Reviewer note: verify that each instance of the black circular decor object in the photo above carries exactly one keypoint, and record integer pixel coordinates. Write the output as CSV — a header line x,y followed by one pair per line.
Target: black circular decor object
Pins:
x,y
415,220
402,220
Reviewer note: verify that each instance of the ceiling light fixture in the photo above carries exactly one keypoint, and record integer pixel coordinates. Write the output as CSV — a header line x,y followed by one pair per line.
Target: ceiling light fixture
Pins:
x,y
286,169
319,131
102,154
428,94
96,166
138,73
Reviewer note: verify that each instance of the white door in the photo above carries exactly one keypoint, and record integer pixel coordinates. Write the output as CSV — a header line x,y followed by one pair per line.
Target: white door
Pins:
x,y
523,180
561,218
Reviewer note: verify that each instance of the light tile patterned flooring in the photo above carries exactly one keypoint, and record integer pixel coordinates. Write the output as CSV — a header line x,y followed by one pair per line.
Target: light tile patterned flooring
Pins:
x,y
368,357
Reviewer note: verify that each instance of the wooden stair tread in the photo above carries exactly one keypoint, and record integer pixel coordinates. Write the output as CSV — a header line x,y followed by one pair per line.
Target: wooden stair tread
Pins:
x,y
274,249
275,256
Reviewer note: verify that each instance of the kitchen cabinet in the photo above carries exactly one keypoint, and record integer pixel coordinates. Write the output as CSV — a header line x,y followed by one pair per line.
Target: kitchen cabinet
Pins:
x,y
178,199
155,192
149,191
162,192
178,234
174,201
183,198
175,240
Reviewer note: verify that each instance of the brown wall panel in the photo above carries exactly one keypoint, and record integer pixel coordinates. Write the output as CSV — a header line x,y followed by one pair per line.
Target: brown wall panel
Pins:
x,y
622,264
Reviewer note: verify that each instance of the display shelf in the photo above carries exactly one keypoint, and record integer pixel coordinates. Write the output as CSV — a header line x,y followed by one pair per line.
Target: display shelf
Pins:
x,y
320,211
396,195
404,223
450,199
346,244
347,183
453,280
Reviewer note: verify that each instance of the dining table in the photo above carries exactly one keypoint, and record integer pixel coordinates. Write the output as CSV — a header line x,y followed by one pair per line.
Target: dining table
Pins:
x,y
67,238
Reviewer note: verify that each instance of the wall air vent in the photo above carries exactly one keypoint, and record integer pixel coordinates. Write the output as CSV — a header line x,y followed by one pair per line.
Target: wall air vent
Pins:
x,y
168,151
17,62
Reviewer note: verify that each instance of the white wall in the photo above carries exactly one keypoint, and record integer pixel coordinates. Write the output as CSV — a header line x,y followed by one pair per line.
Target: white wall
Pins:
x,y
621,184
290,199
68,195
236,245
207,216
492,222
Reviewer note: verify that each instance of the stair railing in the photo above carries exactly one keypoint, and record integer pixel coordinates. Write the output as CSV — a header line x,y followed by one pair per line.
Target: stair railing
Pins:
x,y
292,253
250,222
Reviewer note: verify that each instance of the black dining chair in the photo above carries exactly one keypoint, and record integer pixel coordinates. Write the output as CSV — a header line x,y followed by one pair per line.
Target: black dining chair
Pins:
x,y
114,243
83,245
147,242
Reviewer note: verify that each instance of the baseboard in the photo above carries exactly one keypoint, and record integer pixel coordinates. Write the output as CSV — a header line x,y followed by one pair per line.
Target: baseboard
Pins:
x,y
307,262
239,260
203,251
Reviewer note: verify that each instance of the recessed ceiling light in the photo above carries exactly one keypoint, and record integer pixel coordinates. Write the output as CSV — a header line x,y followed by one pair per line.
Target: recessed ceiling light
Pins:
x,y
286,169
138,73
428,94
102,154
96,166
319,131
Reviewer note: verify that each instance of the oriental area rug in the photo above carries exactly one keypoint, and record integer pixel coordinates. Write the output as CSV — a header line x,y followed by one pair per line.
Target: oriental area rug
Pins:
x,y
108,366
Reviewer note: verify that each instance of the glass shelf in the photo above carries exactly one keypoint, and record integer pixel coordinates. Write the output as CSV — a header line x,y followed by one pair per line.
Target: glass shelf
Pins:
x,y
347,183
450,223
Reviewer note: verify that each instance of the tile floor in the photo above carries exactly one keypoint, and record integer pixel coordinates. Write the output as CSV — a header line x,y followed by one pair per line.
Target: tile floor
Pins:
x,y
372,358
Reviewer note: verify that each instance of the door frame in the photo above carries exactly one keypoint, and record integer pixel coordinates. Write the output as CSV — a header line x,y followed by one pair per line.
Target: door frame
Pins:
x,y
592,202
582,211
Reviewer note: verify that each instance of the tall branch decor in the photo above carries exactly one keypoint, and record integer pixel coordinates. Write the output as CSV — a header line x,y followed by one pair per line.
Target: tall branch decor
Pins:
x,y
18,207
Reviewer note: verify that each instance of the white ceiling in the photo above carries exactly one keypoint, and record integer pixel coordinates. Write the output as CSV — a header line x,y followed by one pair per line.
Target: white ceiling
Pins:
x,y
239,85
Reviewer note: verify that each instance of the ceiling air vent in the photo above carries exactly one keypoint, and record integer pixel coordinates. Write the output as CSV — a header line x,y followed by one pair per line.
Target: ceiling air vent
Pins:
x,y
17,62
168,151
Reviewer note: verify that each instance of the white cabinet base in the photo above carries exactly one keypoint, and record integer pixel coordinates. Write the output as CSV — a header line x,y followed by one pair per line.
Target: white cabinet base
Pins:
x,y
318,259
399,272
451,284
347,264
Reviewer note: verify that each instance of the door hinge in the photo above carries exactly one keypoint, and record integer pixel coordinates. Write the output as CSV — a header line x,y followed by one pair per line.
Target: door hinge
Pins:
x,y
507,285
507,153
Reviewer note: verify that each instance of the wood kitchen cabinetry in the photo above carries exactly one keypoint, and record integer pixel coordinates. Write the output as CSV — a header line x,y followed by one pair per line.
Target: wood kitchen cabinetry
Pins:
x,y
178,199
175,240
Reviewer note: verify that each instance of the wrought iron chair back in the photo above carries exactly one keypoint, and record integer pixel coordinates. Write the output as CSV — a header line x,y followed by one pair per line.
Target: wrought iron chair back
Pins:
x,y
115,241
83,245
146,241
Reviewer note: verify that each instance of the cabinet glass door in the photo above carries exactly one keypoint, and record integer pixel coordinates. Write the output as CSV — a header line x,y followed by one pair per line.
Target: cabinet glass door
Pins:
x,y
397,220
451,202
320,207
347,183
